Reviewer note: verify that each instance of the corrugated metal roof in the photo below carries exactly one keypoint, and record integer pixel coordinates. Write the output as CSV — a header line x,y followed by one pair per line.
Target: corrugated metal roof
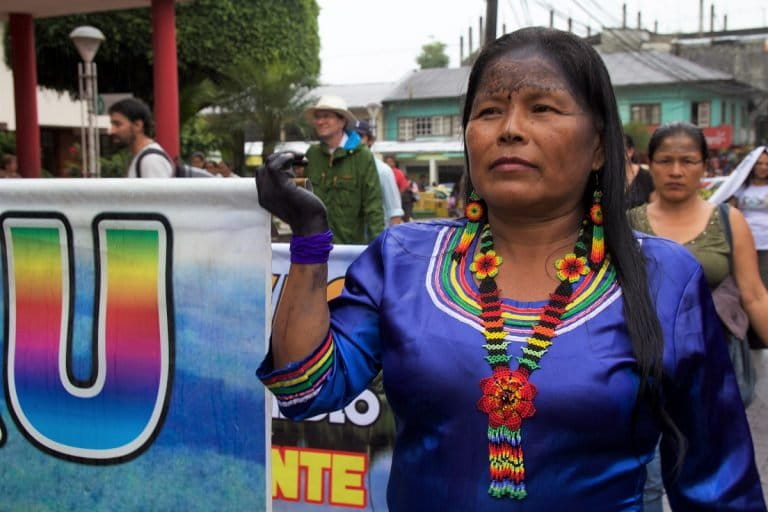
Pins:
x,y
431,83
356,95
650,67
625,69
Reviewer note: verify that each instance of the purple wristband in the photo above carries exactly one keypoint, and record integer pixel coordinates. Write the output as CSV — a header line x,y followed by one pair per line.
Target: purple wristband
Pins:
x,y
311,249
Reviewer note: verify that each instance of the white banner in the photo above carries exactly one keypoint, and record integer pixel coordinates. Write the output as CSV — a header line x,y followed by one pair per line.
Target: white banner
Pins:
x,y
134,316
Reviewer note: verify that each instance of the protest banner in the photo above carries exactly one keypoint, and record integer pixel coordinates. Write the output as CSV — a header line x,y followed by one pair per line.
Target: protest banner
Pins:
x,y
333,461
134,317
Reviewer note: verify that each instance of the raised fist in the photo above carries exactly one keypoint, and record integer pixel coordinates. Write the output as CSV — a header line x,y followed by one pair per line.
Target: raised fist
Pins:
x,y
303,211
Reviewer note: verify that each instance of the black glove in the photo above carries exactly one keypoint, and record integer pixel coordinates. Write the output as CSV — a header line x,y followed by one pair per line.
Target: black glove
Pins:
x,y
303,211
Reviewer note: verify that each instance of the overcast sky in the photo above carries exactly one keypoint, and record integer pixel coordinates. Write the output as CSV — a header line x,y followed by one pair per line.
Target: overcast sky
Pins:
x,y
367,41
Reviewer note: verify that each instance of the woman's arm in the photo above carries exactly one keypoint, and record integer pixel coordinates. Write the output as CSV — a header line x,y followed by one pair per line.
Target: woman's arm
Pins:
x,y
754,297
302,319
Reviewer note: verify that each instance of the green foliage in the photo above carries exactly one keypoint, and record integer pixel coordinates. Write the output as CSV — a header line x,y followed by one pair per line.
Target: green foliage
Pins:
x,y
7,143
640,136
197,135
211,35
115,165
269,97
432,56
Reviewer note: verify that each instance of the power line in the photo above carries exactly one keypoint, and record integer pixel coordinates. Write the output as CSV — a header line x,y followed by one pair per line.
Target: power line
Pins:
x,y
651,59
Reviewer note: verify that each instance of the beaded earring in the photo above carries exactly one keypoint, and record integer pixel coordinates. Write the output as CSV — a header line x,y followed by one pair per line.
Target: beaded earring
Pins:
x,y
597,246
475,212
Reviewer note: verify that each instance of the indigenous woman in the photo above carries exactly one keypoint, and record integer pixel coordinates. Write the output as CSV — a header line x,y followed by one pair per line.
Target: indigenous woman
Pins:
x,y
525,362
678,154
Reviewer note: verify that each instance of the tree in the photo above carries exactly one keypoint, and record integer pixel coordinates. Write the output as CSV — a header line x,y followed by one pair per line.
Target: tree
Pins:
x,y
211,35
269,97
433,56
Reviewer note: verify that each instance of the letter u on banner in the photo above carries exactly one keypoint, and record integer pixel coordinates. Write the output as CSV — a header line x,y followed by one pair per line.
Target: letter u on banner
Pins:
x,y
116,413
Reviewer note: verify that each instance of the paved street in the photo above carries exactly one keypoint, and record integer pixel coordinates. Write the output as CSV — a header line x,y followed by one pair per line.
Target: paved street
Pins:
x,y
758,416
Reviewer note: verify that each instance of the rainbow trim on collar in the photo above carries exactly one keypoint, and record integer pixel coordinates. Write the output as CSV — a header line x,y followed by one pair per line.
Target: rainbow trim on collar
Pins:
x,y
452,289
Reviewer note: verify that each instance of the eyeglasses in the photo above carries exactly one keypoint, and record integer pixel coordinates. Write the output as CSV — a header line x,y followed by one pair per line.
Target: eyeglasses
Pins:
x,y
685,163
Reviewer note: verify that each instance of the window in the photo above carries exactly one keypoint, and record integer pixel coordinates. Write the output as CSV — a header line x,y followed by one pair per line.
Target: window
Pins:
x,y
405,128
646,113
409,128
700,113
423,126
441,125
456,122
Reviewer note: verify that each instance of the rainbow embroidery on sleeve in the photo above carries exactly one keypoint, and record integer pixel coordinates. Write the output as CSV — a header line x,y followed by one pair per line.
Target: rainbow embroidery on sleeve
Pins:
x,y
301,384
113,415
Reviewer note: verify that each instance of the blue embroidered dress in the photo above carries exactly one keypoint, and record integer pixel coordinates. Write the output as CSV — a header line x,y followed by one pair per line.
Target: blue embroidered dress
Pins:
x,y
410,310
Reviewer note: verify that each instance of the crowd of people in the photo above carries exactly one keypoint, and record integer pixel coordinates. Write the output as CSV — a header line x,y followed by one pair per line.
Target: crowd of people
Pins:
x,y
547,347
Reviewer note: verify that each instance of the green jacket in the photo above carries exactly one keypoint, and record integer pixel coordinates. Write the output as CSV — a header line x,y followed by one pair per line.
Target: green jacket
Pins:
x,y
348,183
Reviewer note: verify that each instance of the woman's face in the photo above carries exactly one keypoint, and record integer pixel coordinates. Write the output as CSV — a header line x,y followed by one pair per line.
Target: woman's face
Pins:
x,y
531,145
677,167
761,167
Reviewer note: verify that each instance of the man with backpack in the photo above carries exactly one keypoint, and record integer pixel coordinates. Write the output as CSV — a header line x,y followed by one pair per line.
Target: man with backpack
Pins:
x,y
130,127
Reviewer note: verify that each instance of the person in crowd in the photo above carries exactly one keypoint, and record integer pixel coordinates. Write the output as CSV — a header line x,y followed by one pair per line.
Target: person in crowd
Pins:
x,y
639,181
212,167
409,198
535,351
225,170
393,209
400,178
679,154
131,127
747,189
752,200
423,183
343,173
9,166
197,159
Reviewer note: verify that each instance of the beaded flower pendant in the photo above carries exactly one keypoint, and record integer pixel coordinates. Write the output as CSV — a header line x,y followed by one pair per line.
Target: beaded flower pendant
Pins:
x,y
508,394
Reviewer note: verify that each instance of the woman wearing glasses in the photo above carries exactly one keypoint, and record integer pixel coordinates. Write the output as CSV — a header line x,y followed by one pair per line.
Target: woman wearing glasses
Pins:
x,y
678,154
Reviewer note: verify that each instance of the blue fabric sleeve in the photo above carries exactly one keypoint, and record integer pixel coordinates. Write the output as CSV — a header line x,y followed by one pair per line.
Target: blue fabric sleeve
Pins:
x,y
718,471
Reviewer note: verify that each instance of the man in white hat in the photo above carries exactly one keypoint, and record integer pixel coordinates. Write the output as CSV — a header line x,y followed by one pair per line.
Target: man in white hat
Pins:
x,y
343,174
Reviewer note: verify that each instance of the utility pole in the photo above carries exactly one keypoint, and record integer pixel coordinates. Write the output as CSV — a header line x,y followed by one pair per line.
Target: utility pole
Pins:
x,y
624,15
491,9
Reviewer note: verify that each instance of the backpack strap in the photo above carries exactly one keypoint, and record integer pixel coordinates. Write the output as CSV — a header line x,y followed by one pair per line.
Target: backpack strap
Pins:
x,y
725,209
153,151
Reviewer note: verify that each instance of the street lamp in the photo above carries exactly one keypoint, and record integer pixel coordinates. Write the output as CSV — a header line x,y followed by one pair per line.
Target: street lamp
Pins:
x,y
373,109
87,40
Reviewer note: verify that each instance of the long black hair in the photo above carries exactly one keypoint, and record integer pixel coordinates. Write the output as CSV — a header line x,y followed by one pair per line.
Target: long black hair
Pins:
x,y
585,73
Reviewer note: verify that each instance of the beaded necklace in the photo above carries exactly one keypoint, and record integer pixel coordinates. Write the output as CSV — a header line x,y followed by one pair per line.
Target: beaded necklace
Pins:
x,y
508,394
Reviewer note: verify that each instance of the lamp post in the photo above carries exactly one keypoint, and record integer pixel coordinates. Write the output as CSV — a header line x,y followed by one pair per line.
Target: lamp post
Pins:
x,y
374,109
87,40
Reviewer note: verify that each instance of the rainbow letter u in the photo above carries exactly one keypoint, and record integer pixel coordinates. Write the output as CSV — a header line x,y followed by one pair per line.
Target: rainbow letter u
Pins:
x,y
115,415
